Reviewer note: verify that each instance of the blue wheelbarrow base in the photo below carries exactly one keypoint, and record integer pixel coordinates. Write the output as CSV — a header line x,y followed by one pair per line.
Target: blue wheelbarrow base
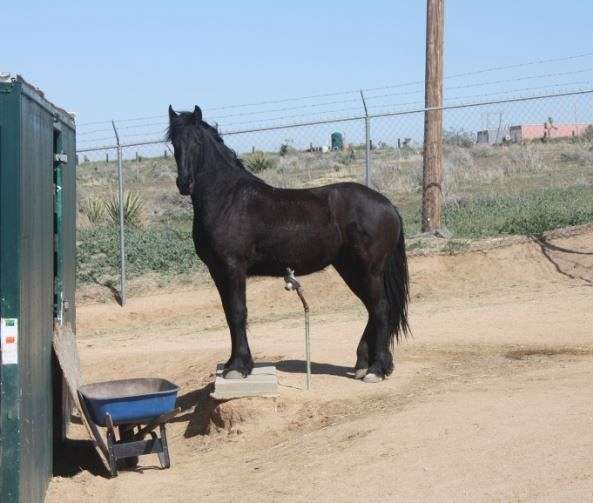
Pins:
x,y
129,401
127,405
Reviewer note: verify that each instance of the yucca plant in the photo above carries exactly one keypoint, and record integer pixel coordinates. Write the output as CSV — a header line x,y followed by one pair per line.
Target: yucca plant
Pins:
x,y
94,209
133,206
258,162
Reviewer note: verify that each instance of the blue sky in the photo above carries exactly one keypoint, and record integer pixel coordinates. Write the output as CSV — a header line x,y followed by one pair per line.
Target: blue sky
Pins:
x,y
122,60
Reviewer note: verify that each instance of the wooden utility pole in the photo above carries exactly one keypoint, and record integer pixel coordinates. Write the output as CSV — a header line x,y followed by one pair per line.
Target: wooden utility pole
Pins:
x,y
432,193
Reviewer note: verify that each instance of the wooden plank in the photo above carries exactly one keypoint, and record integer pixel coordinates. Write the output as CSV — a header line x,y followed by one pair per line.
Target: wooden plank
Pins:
x,y
65,348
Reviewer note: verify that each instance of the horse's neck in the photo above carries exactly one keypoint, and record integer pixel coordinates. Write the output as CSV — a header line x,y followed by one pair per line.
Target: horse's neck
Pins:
x,y
218,176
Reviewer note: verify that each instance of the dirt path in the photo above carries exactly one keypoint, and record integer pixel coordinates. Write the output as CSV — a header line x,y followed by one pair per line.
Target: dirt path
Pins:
x,y
490,401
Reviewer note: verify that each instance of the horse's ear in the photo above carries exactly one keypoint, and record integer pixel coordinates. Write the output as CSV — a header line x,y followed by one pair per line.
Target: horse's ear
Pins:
x,y
172,114
197,115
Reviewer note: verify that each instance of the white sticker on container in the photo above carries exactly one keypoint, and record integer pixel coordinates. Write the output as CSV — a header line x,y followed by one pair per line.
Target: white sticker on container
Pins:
x,y
9,337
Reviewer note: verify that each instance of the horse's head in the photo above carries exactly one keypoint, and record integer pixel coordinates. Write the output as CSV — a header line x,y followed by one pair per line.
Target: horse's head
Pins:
x,y
186,135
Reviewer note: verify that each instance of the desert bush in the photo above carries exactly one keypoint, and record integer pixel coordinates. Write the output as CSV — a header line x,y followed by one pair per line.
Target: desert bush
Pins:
x,y
458,166
524,158
588,134
94,209
576,153
133,207
285,149
344,158
457,159
458,138
389,179
258,162
482,151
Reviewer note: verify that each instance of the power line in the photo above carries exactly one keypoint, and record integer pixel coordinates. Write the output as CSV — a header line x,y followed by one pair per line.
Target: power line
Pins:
x,y
493,82
370,98
385,109
375,115
341,93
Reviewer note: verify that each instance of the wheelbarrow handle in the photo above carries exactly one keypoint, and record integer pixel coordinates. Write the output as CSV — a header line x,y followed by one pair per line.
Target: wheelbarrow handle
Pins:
x,y
156,422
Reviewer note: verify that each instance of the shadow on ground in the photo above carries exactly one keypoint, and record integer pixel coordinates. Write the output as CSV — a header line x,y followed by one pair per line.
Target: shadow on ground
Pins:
x,y
72,457
110,286
548,249
197,410
299,366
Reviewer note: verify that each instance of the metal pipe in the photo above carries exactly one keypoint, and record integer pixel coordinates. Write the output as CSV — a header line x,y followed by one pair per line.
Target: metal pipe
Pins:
x,y
122,246
307,344
367,148
293,284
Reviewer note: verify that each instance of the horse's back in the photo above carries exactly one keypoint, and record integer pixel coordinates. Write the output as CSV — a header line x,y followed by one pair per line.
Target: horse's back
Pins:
x,y
322,222
368,221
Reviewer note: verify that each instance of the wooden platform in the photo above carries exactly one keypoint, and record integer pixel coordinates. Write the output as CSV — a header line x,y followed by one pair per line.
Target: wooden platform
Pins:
x,y
263,381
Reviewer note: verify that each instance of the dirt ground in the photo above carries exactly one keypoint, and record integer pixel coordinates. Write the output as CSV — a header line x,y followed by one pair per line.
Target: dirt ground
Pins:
x,y
491,399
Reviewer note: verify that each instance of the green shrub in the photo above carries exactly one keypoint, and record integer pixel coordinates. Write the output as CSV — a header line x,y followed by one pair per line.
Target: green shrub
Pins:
x,y
94,209
258,162
162,251
531,213
133,206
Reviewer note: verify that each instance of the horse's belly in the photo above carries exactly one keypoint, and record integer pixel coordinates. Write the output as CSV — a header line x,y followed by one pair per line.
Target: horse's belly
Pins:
x,y
304,252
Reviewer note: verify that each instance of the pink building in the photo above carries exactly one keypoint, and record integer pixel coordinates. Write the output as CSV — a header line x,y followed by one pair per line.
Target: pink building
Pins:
x,y
536,131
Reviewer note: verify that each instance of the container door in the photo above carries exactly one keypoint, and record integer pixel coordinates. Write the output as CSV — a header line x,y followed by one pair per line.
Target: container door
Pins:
x,y
59,160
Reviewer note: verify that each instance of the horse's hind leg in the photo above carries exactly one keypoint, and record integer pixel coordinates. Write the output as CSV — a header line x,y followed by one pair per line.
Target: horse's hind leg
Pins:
x,y
351,273
364,352
230,282
374,360
382,359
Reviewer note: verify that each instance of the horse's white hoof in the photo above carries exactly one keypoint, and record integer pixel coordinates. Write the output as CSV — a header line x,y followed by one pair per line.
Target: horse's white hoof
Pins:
x,y
372,378
360,373
233,374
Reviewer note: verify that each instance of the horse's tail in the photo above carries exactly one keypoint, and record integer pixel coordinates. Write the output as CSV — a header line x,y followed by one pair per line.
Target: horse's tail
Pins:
x,y
396,281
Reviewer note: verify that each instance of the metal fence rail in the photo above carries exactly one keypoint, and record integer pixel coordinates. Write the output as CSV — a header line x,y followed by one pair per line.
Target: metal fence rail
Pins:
x,y
303,155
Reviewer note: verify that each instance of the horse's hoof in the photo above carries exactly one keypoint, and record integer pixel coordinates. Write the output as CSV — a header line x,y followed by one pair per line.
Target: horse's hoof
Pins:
x,y
372,378
360,373
234,374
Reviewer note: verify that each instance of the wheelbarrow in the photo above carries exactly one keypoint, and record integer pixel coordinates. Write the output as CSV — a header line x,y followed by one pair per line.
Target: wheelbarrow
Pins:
x,y
136,407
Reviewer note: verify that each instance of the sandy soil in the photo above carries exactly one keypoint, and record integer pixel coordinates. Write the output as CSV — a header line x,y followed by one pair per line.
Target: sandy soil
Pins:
x,y
490,400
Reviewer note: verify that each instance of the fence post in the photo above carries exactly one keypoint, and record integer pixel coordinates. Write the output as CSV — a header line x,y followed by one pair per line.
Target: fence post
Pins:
x,y
122,247
367,148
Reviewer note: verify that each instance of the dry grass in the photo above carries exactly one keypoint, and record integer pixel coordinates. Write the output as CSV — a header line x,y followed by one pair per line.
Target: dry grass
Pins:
x,y
470,173
489,190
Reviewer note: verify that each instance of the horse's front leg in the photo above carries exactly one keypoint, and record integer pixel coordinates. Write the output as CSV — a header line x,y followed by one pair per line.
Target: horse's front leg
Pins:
x,y
230,282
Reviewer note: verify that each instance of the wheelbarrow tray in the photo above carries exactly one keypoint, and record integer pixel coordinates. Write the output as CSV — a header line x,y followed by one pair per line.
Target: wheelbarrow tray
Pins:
x,y
129,401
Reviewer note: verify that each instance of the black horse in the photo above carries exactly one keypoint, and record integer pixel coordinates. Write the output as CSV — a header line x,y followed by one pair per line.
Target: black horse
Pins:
x,y
244,227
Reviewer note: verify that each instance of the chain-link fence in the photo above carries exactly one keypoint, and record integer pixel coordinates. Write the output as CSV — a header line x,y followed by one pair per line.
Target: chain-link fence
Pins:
x,y
501,159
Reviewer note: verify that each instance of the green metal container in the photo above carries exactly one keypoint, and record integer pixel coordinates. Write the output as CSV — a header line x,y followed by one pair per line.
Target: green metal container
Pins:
x,y
337,140
37,281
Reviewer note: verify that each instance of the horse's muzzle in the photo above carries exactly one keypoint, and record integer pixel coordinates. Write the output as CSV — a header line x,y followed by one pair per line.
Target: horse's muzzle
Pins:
x,y
185,186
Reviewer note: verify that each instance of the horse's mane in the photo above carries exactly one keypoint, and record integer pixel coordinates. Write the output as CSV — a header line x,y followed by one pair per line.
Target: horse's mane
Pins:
x,y
186,120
